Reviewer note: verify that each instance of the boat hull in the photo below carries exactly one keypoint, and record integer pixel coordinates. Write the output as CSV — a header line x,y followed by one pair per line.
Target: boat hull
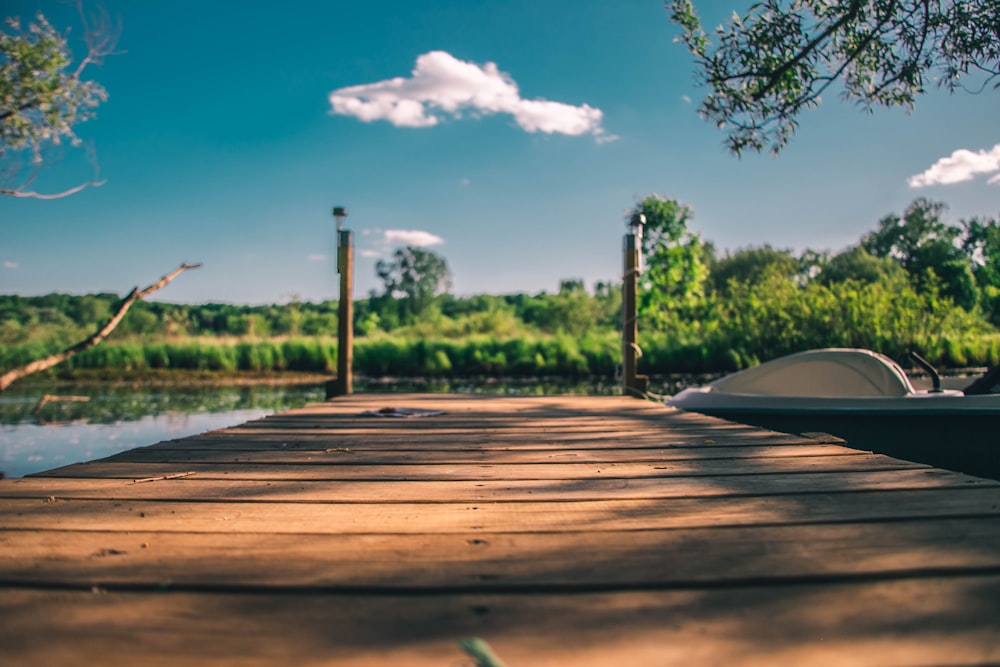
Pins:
x,y
963,440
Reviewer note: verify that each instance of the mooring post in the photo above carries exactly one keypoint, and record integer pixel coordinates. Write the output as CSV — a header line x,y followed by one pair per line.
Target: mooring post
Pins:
x,y
633,384
344,383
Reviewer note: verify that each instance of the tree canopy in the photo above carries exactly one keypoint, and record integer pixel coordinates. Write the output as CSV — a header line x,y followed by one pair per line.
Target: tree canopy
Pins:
x,y
750,265
777,60
859,265
416,275
675,257
43,95
928,248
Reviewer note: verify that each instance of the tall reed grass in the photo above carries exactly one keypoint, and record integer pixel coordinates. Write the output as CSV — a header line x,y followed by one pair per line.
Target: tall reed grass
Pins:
x,y
594,354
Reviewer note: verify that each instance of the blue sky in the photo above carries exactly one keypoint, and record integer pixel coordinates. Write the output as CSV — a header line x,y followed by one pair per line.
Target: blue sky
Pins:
x,y
509,136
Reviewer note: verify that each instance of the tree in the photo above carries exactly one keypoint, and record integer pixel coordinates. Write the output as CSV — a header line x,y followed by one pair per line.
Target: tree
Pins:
x,y
674,258
749,265
902,237
414,275
572,310
982,244
928,248
43,96
859,265
783,55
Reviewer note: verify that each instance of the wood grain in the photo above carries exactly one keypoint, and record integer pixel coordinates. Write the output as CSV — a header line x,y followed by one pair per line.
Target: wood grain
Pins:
x,y
563,530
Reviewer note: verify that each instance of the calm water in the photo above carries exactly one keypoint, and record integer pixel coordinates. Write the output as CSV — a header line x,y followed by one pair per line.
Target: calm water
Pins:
x,y
117,419
114,420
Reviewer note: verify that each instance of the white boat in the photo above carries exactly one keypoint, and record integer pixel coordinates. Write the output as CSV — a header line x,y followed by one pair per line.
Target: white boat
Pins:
x,y
865,398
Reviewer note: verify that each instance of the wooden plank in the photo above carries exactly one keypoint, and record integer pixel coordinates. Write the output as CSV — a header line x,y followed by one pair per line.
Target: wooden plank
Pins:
x,y
342,468
335,469
123,464
479,404
525,561
263,470
487,439
303,510
901,622
482,441
281,484
528,414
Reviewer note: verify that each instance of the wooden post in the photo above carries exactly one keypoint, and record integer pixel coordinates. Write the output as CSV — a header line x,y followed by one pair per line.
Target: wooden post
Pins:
x,y
633,384
344,384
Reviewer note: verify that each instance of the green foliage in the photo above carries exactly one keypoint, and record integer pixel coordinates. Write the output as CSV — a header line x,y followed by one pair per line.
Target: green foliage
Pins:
x,y
750,265
41,99
416,276
777,60
928,248
42,95
859,265
572,310
479,355
674,257
981,243
762,303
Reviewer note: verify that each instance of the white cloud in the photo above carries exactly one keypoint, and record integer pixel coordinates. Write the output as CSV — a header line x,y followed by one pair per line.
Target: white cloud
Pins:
x,y
390,238
317,257
414,237
686,99
443,86
10,265
962,165
464,182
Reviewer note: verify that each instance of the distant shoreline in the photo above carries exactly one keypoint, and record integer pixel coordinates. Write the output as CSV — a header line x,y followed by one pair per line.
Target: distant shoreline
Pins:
x,y
172,378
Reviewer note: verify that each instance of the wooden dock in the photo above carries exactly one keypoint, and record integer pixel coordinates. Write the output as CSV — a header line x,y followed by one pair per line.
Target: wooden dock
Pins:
x,y
581,531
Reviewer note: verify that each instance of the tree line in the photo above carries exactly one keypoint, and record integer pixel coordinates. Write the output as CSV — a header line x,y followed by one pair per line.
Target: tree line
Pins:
x,y
915,281
58,318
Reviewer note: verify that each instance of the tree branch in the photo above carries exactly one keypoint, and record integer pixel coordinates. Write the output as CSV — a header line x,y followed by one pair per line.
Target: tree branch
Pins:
x,y
100,34
21,191
39,365
776,75
55,195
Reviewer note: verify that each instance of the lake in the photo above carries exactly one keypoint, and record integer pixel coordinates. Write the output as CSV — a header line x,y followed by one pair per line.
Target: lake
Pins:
x,y
116,419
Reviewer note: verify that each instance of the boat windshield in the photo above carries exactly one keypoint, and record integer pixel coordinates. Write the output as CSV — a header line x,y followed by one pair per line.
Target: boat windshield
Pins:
x,y
823,373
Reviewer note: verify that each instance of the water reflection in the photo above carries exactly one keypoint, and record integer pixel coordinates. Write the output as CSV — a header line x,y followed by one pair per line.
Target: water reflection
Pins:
x,y
115,419
111,405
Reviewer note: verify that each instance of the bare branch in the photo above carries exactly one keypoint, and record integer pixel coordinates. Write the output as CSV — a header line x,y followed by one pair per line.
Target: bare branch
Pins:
x,y
162,282
52,398
39,365
21,190
56,195
100,34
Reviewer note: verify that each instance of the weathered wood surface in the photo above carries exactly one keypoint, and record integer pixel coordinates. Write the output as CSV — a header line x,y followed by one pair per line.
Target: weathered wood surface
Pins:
x,y
562,530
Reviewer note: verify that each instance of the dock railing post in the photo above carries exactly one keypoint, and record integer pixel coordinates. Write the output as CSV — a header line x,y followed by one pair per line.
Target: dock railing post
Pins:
x,y
633,384
344,382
